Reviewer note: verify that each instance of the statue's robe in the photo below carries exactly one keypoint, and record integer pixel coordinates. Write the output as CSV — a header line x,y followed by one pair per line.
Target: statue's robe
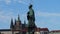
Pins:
x,y
30,15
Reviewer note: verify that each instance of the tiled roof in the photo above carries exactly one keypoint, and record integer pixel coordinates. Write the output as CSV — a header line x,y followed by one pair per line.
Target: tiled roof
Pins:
x,y
55,31
44,29
41,29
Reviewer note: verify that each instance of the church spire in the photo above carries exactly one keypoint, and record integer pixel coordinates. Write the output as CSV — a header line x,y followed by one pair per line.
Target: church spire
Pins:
x,y
15,22
24,22
18,17
11,25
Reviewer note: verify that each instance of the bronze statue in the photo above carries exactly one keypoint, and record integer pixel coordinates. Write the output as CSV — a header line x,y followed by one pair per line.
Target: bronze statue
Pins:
x,y
31,20
30,14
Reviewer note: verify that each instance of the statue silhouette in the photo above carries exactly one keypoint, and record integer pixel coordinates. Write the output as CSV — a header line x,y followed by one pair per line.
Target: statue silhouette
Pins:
x,y
30,14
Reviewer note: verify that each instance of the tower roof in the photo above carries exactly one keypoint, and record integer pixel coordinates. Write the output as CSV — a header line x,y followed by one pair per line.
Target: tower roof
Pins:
x,y
18,18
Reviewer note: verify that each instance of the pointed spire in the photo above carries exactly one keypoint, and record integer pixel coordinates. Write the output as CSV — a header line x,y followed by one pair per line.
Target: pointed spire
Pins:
x,y
18,17
25,23
11,25
15,21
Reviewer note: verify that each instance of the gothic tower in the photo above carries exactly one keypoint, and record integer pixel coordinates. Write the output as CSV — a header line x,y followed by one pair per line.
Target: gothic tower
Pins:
x,y
18,24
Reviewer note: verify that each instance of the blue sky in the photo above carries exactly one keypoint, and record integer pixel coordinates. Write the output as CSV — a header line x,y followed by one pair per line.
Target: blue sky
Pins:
x,y
47,12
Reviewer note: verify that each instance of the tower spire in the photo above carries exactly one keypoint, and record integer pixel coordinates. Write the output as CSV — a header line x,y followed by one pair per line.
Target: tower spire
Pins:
x,y
24,22
11,25
15,22
18,17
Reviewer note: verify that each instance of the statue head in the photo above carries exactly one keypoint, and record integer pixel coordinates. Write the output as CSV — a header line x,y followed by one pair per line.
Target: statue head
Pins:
x,y
30,6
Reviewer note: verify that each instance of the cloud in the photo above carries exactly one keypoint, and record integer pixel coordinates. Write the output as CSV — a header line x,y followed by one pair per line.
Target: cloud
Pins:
x,y
7,1
47,19
16,1
47,14
23,1
1,0
5,17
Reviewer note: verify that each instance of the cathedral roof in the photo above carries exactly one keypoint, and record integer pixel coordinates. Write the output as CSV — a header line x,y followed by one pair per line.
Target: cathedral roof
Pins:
x,y
5,29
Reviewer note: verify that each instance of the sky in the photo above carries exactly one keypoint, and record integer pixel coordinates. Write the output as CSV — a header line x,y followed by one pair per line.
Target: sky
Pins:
x,y
47,12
